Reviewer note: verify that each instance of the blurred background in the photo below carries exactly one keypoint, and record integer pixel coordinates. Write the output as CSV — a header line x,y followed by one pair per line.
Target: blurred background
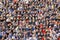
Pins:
x,y
29,19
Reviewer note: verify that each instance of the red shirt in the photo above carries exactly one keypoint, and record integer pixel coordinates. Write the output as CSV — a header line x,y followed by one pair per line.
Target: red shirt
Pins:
x,y
58,39
41,25
43,31
43,38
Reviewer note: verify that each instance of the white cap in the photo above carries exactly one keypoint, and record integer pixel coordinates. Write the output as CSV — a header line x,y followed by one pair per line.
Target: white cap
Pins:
x,y
8,20
13,37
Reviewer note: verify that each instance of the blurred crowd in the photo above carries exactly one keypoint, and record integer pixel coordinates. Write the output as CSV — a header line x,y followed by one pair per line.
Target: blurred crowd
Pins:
x,y
29,20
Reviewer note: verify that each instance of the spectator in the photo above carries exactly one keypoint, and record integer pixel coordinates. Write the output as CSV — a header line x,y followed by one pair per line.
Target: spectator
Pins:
x,y
29,20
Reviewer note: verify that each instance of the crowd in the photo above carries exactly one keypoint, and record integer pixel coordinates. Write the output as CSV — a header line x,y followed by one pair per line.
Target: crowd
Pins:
x,y
29,20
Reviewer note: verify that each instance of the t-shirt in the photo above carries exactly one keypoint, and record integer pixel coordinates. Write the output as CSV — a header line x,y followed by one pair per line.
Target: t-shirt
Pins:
x,y
43,38
43,31
41,25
